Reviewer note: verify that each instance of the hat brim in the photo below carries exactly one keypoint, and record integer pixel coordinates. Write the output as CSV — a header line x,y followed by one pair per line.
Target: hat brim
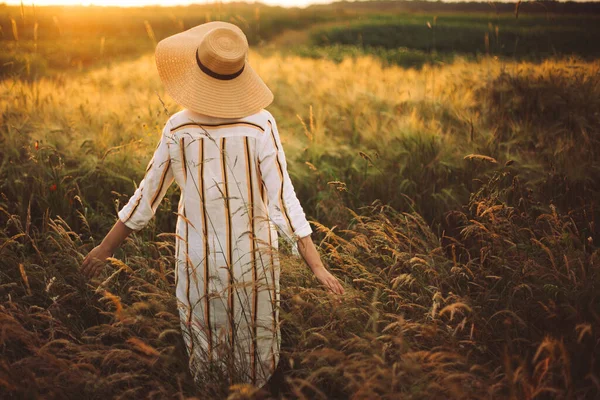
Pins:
x,y
193,89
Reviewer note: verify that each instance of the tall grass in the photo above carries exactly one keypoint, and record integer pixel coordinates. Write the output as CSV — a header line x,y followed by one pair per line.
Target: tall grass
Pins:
x,y
458,204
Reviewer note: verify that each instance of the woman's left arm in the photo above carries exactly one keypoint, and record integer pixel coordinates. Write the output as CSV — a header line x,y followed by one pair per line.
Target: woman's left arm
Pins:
x,y
94,261
140,208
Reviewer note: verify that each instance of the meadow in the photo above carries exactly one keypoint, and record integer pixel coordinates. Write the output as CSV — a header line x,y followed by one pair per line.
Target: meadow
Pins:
x,y
456,201
43,41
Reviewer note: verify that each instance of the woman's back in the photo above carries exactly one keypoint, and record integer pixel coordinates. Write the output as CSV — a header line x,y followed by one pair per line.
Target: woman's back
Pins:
x,y
234,183
233,176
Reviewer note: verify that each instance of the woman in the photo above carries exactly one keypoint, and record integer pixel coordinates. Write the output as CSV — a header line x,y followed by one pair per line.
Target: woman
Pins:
x,y
223,150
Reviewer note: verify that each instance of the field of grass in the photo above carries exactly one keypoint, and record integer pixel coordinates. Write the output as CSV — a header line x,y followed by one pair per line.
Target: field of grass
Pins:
x,y
531,37
457,203
46,40
43,41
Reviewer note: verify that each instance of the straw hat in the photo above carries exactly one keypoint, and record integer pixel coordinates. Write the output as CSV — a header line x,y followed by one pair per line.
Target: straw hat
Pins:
x,y
205,69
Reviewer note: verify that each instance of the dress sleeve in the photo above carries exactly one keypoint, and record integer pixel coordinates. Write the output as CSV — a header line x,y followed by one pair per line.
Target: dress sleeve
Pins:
x,y
158,177
284,208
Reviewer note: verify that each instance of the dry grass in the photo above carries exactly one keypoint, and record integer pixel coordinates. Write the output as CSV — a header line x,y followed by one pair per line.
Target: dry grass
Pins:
x,y
479,282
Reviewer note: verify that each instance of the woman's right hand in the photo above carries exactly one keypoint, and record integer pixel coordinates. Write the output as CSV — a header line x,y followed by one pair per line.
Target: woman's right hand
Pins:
x,y
309,252
330,281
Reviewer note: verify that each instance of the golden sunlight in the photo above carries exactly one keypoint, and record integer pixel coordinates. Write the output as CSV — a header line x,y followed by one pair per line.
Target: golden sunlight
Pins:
x,y
140,3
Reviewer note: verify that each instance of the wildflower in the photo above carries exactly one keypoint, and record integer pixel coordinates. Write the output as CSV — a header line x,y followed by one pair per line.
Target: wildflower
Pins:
x,y
53,187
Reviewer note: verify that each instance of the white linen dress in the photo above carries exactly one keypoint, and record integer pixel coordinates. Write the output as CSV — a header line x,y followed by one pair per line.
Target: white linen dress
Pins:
x,y
235,190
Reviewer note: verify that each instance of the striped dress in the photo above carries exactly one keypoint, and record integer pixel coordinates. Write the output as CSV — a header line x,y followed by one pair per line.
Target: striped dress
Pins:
x,y
236,195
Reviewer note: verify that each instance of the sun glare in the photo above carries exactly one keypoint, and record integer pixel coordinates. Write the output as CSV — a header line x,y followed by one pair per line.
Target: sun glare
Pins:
x,y
139,3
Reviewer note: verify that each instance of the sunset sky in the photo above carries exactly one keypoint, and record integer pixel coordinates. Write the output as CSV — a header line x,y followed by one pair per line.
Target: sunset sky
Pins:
x,y
128,3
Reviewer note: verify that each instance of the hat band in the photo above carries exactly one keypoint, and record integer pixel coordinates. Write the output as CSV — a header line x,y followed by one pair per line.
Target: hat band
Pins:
x,y
216,75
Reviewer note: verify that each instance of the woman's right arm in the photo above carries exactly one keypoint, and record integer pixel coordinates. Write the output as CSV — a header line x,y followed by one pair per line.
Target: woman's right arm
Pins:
x,y
309,252
285,209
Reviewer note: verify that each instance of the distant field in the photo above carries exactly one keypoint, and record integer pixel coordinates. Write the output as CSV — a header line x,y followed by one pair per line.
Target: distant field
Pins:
x,y
531,37
36,41
47,39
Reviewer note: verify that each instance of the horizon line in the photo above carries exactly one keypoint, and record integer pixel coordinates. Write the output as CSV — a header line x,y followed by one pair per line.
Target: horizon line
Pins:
x,y
92,4
275,3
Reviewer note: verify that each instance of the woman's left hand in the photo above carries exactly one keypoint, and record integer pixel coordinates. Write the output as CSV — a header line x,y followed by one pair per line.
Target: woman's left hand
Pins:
x,y
95,261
